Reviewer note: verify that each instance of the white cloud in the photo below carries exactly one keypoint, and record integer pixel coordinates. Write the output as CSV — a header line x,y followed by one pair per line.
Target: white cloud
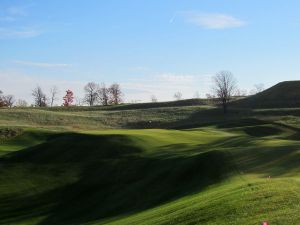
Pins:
x,y
213,20
42,64
6,33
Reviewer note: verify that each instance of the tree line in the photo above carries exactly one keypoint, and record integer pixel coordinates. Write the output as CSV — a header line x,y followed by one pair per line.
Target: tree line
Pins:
x,y
95,94
223,89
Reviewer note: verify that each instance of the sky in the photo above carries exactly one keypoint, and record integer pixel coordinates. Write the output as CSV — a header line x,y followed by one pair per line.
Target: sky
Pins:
x,y
155,47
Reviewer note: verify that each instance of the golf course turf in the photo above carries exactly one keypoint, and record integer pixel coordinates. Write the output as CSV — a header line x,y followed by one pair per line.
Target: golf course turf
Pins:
x,y
179,162
235,173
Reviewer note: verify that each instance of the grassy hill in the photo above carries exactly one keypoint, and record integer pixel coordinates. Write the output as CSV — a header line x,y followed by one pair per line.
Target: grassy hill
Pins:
x,y
149,164
197,176
282,95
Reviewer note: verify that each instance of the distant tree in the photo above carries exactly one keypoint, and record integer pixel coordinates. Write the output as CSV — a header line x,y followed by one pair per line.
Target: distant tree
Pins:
x,y
197,94
9,100
21,103
241,92
53,93
91,93
2,101
210,96
40,98
115,94
257,89
103,94
178,96
68,98
79,101
153,98
224,87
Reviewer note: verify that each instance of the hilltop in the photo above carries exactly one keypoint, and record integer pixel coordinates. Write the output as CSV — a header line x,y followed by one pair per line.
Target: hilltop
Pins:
x,y
283,95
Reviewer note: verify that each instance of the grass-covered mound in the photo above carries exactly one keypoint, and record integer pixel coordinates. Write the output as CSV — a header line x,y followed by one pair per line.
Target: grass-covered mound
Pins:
x,y
199,176
282,95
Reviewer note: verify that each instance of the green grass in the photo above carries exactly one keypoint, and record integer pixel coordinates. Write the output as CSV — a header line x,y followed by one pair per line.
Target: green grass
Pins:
x,y
282,95
209,175
149,164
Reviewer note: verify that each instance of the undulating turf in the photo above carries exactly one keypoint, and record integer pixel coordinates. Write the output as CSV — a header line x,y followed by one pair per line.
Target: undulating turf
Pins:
x,y
239,172
168,163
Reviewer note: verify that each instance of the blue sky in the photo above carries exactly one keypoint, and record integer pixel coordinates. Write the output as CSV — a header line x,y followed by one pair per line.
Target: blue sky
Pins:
x,y
153,47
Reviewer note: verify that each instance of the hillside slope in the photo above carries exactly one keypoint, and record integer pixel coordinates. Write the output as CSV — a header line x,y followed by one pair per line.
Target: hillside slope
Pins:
x,y
198,176
282,95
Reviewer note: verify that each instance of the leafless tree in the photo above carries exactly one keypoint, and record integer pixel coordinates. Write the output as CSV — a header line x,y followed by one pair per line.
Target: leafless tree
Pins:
x,y
79,101
53,93
241,93
197,94
178,96
103,94
9,100
21,103
2,102
210,96
257,89
115,94
224,87
40,98
153,98
91,93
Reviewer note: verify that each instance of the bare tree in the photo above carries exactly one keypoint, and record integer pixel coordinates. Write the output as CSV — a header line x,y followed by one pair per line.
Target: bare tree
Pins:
x,y
257,89
115,94
197,94
53,93
79,101
91,93
9,100
241,93
2,102
103,94
40,98
210,96
224,87
21,103
178,96
153,98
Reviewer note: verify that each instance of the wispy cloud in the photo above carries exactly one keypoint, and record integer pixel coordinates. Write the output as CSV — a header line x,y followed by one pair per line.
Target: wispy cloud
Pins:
x,y
164,85
9,30
42,64
7,19
17,11
7,33
13,13
213,20
21,84
139,68
169,77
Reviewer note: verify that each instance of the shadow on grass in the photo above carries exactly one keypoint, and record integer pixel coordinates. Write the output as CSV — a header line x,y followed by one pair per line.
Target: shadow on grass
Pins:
x,y
115,178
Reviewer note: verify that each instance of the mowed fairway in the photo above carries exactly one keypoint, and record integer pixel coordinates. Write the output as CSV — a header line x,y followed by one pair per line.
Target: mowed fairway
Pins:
x,y
237,173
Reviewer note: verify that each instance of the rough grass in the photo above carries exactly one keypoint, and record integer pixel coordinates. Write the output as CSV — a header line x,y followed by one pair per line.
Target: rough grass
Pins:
x,y
83,165
243,172
283,95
